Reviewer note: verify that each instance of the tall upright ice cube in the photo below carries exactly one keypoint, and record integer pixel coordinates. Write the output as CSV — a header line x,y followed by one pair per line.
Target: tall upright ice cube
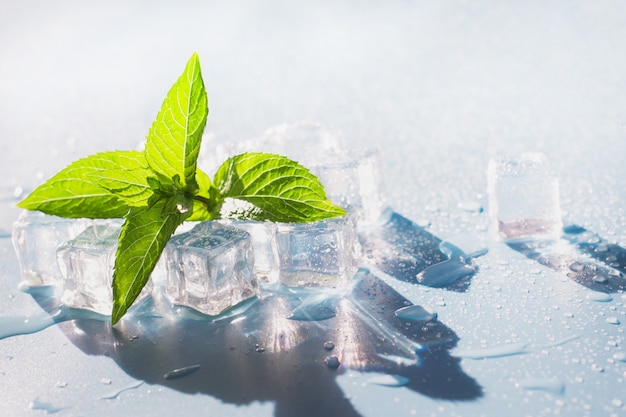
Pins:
x,y
322,253
210,268
524,197
86,263
353,180
263,238
36,237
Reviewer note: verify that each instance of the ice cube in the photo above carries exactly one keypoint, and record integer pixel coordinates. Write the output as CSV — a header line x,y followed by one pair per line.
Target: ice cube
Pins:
x,y
353,181
210,268
263,236
36,237
322,253
86,263
524,197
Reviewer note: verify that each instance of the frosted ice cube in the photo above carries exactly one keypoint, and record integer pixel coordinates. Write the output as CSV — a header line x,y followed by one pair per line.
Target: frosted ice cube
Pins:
x,y
322,253
210,268
353,181
263,235
524,197
36,237
86,263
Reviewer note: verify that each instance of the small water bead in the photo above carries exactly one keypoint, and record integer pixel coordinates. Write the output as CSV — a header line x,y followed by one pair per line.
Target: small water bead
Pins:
x,y
61,384
329,345
600,297
620,356
600,279
577,267
597,368
332,362
181,372
612,320
617,402
470,206
105,381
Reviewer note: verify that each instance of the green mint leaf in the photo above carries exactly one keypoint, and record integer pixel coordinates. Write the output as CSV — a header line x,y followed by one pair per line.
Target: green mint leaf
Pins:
x,y
130,186
280,189
173,142
142,240
205,200
76,191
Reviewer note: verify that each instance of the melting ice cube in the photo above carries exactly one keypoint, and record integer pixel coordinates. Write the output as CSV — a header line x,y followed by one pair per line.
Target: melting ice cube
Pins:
x,y
86,263
321,253
210,268
524,197
353,181
36,237
263,235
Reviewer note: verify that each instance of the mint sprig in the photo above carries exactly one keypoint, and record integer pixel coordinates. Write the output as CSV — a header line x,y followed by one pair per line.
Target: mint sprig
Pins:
x,y
158,189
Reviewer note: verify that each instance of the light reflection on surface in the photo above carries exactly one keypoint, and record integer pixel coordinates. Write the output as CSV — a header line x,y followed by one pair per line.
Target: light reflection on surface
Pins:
x,y
275,347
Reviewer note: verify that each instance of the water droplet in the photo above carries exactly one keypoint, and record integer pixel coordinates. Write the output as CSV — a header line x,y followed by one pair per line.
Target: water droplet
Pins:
x,y
600,297
471,206
600,279
493,352
617,402
115,394
552,385
61,384
612,320
399,360
332,362
444,273
415,313
181,372
577,267
389,380
36,404
105,381
329,345
597,368
620,356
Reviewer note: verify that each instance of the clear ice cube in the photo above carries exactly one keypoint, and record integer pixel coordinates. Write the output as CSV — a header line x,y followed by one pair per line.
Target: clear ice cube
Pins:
x,y
322,253
353,181
524,197
263,236
86,263
210,268
36,237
